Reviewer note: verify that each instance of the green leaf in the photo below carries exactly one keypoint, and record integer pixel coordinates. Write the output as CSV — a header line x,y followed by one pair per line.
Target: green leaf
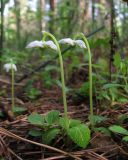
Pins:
x,y
49,135
122,117
1,115
18,110
98,119
117,60
52,117
35,133
63,122
112,85
80,135
103,130
118,129
33,93
125,138
73,123
36,119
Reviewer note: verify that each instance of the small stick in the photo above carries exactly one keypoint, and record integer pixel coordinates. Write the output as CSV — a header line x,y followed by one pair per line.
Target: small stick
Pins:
x,y
9,134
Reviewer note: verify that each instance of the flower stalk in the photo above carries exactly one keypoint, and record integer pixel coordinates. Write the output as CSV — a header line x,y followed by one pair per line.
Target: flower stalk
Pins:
x,y
11,67
45,34
90,77
12,88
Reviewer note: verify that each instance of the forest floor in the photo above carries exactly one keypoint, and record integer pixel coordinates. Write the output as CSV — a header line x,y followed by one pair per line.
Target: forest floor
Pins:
x,y
17,144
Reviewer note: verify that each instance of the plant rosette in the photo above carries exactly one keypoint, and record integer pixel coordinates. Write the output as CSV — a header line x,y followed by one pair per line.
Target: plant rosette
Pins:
x,y
51,125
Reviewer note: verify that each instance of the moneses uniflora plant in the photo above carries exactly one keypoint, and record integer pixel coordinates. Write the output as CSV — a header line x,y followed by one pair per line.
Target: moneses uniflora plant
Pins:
x,y
78,132
11,67
85,45
55,46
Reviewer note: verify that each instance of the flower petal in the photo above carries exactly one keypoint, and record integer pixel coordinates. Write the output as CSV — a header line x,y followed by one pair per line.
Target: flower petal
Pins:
x,y
10,66
80,43
7,67
67,41
35,44
14,67
50,44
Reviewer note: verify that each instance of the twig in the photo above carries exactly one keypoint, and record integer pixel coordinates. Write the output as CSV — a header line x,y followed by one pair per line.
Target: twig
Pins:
x,y
14,154
9,134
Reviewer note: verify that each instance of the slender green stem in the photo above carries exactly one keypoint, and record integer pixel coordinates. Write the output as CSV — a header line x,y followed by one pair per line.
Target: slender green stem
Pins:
x,y
12,89
90,77
62,74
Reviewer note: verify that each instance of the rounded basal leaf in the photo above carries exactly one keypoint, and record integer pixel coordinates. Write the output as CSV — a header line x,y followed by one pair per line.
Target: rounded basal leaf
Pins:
x,y
73,123
36,119
35,133
103,130
52,117
49,135
80,135
63,123
118,129
98,119
18,110
125,139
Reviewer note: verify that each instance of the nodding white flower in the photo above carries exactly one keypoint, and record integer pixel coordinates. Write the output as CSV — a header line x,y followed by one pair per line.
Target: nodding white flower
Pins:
x,y
10,66
49,44
35,44
72,42
67,41
80,43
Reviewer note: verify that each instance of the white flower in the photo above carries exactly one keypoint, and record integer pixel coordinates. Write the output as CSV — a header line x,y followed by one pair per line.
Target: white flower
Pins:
x,y
10,66
49,44
67,41
35,44
80,43
72,42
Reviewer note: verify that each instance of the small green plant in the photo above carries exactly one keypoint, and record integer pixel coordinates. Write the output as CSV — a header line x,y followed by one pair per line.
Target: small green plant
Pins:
x,y
90,76
115,91
78,132
51,125
46,124
83,44
11,66
45,34
55,46
120,130
32,92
